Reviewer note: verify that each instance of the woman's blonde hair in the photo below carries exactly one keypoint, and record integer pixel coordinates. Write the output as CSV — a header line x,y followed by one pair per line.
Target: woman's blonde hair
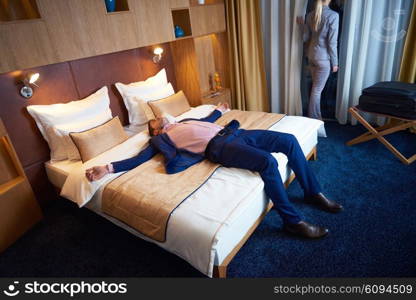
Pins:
x,y
317,15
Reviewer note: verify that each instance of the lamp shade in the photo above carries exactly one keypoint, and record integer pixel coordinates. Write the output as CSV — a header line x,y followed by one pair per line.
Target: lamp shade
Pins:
x,y
158,51
33,78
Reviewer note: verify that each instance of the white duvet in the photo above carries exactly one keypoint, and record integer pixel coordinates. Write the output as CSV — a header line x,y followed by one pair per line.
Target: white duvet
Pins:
x,y
195,226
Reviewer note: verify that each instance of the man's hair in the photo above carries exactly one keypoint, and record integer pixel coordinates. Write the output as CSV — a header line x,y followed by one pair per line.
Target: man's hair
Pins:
x,y
151,130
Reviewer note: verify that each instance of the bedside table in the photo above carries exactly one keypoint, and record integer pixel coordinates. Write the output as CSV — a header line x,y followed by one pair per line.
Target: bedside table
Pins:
x,y
19,209
223,96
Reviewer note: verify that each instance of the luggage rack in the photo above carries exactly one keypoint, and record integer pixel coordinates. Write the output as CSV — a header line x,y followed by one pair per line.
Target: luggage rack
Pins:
x,y
380,132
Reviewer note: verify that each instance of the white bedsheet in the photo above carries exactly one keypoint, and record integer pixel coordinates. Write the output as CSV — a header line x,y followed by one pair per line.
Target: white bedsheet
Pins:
x,y
209,224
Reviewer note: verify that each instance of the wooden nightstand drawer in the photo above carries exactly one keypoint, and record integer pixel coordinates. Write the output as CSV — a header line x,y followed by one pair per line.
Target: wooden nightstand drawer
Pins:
x,y
223,96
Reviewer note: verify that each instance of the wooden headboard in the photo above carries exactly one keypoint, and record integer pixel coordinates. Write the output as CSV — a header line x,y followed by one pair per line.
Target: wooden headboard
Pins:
x,y
64,82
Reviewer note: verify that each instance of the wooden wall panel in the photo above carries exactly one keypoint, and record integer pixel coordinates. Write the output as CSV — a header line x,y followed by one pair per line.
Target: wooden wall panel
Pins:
x,y
206,19
77,28
196,59
206,62
221,56
186,69
25,44
179,3
122,30
154,21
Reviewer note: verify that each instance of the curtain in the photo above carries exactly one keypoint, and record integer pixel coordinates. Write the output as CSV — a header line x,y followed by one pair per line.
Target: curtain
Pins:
x,y
283,53
408,66
248,79
371,46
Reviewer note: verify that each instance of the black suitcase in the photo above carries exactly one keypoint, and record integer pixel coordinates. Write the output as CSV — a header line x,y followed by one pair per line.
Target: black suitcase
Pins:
x,y
390,97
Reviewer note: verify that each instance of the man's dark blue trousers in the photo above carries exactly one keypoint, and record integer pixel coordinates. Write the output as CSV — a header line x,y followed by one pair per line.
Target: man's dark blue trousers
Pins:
x,y
251,150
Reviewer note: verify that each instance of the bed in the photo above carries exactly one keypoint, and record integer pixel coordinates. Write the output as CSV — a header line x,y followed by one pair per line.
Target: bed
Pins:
x,y
209,228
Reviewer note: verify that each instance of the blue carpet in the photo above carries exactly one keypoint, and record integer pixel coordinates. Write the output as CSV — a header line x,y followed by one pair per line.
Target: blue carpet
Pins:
x,y
374,237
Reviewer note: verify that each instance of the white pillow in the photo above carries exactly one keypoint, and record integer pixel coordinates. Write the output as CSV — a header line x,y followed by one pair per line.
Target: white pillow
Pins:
x,y
134,94
137,97
94,106
63,131
159,79
141,112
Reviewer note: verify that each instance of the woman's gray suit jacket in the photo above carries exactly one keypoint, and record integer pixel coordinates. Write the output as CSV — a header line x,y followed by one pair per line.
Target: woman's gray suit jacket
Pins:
x,y
322,44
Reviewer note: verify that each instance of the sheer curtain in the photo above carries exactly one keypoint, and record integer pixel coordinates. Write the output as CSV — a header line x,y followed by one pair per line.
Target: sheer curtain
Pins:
x,y
283,53
371,48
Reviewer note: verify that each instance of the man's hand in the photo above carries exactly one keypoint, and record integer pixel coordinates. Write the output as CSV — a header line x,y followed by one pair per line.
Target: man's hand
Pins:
x,y
222,107
96,173
335,69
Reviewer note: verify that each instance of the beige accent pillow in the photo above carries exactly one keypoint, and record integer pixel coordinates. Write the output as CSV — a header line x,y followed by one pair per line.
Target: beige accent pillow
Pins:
x,y
95,141
173,105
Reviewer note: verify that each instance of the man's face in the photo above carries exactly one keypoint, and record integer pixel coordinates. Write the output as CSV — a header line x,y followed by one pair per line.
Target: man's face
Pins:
x,y
157,126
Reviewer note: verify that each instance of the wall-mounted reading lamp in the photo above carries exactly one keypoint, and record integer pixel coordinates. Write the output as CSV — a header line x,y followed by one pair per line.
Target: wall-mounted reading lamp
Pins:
x,y
158,54
27,91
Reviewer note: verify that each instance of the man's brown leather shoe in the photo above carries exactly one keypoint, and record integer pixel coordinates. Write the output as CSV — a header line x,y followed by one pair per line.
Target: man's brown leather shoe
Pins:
x,y
307,230
325,203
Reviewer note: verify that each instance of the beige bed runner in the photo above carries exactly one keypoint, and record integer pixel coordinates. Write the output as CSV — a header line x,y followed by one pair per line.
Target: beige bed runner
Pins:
x,y
145,197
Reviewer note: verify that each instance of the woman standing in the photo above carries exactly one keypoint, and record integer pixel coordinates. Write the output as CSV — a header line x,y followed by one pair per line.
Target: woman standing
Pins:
x,y
320,33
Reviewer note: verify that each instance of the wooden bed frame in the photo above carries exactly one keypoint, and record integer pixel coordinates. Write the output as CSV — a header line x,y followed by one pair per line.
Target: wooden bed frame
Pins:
x,y
220,271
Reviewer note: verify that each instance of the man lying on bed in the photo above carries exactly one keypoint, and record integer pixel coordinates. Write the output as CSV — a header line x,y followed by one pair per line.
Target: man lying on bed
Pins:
x,y
191,141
